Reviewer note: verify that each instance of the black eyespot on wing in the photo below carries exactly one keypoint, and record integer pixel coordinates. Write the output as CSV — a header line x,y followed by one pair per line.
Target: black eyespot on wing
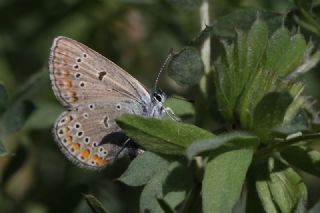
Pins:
x,y
101,74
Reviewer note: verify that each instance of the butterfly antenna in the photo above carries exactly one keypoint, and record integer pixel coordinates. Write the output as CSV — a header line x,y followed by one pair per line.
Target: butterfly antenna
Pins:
x,y
164,65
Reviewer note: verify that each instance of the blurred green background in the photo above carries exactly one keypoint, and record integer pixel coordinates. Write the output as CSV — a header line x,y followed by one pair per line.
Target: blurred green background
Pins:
x,y
135,34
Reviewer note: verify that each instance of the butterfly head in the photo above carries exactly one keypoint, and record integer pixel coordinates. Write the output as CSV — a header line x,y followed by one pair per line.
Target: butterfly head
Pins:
x,y
158,99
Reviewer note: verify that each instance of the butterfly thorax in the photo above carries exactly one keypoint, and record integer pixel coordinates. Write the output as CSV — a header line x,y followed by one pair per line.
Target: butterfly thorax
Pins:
x,y
158,98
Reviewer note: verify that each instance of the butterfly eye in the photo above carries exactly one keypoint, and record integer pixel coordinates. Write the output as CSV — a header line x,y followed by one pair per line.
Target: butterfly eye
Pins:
x,y
158,97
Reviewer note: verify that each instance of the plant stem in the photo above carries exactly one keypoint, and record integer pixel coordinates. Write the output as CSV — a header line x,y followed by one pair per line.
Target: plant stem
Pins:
x,y
205,21
263,153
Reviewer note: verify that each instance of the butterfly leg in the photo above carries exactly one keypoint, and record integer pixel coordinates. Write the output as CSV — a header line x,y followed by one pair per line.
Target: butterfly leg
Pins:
x,y
171,114
125,144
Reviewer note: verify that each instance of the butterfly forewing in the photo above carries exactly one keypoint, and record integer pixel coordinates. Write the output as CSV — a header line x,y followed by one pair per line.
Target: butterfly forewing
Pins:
x,y
79,74
96,91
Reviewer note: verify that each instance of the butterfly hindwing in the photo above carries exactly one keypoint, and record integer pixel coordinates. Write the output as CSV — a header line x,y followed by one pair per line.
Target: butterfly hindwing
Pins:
x,y
79,133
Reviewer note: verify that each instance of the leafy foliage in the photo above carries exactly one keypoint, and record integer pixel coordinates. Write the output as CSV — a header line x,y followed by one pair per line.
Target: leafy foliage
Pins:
x,y
239,148
186,67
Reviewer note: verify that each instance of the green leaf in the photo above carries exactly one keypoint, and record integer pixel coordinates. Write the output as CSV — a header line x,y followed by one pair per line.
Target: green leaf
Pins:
x,y
178,182
286,186
303,158
307,64
152,192
203,35
3,98
255,80
15,117
278,46
242,20
142,169
222,83
223,179
208,144
269,112
280,188
94,204
264,193
293,58
161,136
241,205
186,67
257,41
241,52
183,109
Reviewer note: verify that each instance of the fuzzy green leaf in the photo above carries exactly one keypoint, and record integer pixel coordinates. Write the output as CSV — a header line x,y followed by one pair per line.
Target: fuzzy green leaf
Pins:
x,y
241,51
203,35
257,42
242,20
142,169
280,188
208,144
152,192
3,98
278,46
161,136
293,58
255,81
286,187
94,204
177,183
183,109
266,197
269,112
303,158
223,179
306,65
186,67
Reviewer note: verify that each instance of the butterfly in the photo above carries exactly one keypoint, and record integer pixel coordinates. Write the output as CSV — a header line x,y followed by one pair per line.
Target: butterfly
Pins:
x,y
95,92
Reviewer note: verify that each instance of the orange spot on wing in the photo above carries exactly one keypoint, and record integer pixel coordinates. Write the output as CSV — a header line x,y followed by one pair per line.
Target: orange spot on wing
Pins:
x,y
99,161
69,139
65,130
72,96
68,83
76,147
65,72
73,99
85,154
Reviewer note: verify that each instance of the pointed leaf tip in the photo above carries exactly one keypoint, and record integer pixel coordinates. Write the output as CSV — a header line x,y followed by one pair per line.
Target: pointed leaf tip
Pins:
x,y
186,67
239,139
94,204
160,135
